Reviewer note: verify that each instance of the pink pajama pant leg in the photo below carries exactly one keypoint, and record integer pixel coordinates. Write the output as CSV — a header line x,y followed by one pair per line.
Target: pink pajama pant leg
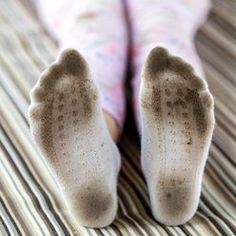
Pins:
x,y
170,24
97,30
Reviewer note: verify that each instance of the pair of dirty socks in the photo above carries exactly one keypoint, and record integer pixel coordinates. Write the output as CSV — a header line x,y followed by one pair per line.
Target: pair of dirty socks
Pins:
x,y
177,116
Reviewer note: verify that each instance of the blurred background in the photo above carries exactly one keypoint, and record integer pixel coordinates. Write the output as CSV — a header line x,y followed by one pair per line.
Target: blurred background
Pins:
x,y
29,204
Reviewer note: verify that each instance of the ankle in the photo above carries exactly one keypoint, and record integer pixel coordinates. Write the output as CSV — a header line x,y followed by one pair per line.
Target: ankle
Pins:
x,y
112,126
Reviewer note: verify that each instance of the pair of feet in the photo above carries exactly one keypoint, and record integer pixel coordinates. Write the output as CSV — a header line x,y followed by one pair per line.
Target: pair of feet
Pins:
x,y
177,116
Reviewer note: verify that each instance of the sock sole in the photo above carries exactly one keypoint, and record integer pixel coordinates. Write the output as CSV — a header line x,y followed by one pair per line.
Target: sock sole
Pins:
x,y
178,120
65,105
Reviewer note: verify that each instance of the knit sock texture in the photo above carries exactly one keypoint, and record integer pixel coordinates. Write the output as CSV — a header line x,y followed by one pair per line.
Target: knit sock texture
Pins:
x,y
67,125
177,118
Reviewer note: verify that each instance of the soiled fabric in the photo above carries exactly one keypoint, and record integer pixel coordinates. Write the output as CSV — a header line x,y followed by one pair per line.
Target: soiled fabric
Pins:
x,y
168,24
28,203
98,30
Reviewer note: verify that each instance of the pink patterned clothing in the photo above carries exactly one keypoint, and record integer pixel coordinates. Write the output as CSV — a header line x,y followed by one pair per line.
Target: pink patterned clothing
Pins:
x,y
98,30
169,24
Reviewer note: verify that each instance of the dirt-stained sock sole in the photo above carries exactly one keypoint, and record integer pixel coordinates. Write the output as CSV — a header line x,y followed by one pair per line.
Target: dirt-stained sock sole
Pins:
x,y
177,125
67,124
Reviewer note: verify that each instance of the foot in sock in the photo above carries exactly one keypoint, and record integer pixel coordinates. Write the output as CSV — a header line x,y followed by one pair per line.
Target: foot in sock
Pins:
x,y
177,125
67,124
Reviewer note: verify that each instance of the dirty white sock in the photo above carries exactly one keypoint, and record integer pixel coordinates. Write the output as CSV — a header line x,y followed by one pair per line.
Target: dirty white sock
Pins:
x,y
177,124
67,124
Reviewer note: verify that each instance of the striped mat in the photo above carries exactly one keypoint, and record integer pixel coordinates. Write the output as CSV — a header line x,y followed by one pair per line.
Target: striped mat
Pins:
x,y
29,202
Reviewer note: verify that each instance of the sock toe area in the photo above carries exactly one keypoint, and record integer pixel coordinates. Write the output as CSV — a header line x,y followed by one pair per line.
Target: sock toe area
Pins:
x,y
74,63
157,61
